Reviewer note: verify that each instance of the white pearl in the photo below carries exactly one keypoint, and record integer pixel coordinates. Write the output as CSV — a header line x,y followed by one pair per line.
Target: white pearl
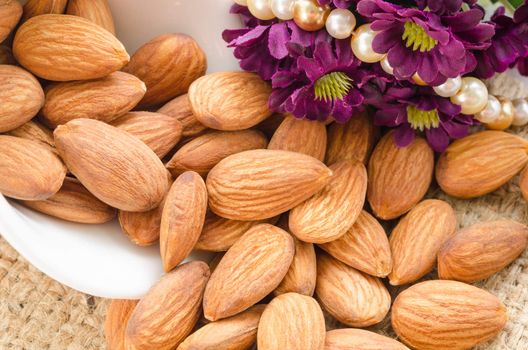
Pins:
x,y
472,97
283,9
362,45
450,88
340,23
385,65
261,9
491,112
241,2
520,116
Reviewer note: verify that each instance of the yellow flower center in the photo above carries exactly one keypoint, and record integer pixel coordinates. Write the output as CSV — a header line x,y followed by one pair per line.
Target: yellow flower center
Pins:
x,y
416,37
332,86
421,120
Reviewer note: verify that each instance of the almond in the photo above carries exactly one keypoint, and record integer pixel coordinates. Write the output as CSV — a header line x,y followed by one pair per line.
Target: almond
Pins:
x,y
102,99
438,315
204,152
158,131
169,311
481,163
523,183
358,339
302,136
35,131
353,298
6,55
10,13
251,269
182,218
418,237
21,97
365,247
115,166
230,100
479,251
180,108
93,52
330,213
302,274
269,125
34,8
395,170
168,64
261,184
292,321
237,332
29,170
352,140
117,316
97,11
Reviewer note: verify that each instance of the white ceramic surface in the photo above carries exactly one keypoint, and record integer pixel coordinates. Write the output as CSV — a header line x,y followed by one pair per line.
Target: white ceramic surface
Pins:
x,y
99,260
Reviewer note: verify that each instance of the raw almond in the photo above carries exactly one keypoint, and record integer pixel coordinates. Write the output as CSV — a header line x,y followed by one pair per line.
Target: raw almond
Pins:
x,y
74,203
269,125
10,13
302,136
292,321
168,64
358,339
29,170
180,108
97,11
102,99
116,321
169,311
204,152
115,166
261,184
237,332
302,274
365,247
481,163
352,140
182,218
158,131
34,8
251,269
523,183
394,171
353,298
93,52
418,237
33,130
21,97
6,55
479,251
230,100
330,213
447,315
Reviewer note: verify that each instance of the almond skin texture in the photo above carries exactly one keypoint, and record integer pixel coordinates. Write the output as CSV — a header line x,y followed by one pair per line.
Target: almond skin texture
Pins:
x,y
182,218
169,311
142,228
479,251
353,298
251,269
302,273
204,152
116,321
292,321
158,131
234,333
168,64
10,13
365,247
21,97
29,170
180,108
523,183
358,339
330,213
394,170
302,136
33,130
64,48
115,166
481,163
352,140
230,100
418,237
97,11
463,316
34,8
261,184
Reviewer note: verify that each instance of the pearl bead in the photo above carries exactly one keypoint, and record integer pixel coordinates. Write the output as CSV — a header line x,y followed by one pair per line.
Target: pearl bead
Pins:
x,y
340,23
241,2
283,9
309,15
450,88
491,112
261,9
521,112
506,117
362,45
472,97
385,65
418,80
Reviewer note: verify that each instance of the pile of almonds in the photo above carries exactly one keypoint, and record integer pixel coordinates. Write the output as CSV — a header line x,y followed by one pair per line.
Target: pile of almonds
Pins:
x,y
299,207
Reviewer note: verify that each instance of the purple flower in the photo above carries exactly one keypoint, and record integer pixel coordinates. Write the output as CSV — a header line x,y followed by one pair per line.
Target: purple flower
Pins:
x,y
342,4
444,7
522,66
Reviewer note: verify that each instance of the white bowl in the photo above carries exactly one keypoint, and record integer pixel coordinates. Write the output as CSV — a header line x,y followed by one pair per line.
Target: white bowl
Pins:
x,y
99,259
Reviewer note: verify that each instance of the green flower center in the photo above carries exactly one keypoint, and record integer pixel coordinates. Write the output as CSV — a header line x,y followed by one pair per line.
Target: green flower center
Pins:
x,y
332,86
417,37
421,120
